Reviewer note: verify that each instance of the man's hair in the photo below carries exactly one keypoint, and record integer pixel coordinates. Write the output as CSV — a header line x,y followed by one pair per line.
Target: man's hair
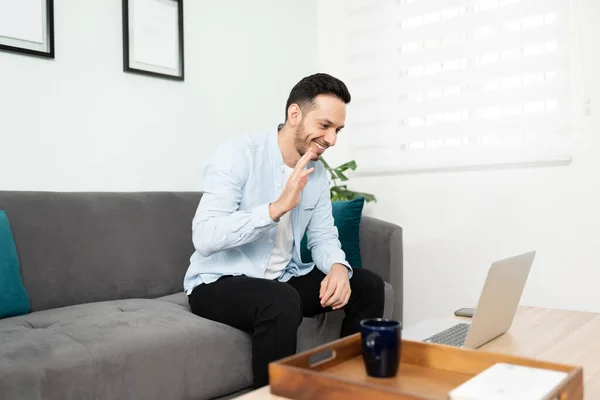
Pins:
x,y
305,91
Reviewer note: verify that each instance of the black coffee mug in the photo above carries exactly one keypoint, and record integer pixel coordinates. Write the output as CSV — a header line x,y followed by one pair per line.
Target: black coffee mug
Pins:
x,y
381,346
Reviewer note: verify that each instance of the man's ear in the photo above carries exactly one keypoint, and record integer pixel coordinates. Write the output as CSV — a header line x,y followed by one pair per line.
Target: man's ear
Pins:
x,y
294,114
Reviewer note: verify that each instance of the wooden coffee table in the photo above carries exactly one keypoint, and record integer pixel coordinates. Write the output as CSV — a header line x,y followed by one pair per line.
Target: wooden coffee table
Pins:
x,y
569,337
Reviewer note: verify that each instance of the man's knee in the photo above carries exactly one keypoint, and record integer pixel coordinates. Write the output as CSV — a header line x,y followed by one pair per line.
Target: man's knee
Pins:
x,y
371,285
283,303
370,281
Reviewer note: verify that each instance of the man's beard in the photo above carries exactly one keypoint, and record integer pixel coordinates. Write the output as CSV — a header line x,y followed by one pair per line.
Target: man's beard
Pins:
x,y
299,134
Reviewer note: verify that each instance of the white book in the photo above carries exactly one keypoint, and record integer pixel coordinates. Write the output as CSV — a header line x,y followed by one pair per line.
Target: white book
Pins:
x,y
506,381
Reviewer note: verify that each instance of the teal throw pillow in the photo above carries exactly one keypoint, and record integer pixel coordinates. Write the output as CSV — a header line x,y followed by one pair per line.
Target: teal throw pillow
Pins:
x,y
346,216
13,296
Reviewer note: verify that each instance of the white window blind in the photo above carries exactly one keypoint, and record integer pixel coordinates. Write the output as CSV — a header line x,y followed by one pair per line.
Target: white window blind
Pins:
x,y
456,83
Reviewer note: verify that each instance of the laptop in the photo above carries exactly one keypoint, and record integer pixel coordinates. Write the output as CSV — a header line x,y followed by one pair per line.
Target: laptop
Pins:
x,y
493,315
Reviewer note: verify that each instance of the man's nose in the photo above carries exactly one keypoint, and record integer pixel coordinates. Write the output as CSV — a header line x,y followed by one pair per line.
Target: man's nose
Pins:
x,y
331,137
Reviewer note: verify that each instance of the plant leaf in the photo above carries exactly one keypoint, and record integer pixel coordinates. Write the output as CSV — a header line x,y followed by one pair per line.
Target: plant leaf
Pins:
x,y
341,175
341,192
349,165
351,195
368,197
335,191
328,169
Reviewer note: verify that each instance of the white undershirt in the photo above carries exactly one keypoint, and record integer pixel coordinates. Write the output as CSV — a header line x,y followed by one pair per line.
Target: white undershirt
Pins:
x,y
284,239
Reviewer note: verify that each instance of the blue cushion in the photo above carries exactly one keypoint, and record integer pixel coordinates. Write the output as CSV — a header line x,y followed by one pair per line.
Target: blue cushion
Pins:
x,y
13,296
346,216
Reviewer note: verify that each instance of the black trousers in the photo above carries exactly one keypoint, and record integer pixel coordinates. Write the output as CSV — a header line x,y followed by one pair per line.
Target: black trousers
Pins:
x,y
271,311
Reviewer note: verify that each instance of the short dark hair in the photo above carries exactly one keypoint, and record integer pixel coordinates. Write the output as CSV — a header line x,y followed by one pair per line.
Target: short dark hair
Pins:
x,y
308,88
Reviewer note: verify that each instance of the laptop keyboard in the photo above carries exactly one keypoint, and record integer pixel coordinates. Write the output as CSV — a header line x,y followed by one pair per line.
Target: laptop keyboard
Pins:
x,y
453,336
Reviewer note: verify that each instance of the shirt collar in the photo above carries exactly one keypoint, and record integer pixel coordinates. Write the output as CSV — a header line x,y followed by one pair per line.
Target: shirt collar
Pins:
x,y
276,155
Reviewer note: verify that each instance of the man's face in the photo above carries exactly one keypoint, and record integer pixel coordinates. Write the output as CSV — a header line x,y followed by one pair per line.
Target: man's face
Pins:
x,y
317,129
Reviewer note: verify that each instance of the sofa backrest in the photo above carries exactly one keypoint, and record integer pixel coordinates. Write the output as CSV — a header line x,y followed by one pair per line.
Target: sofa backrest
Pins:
x,y
84,247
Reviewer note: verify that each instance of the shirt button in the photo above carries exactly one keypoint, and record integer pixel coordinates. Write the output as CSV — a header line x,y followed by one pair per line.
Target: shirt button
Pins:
x,y
262,221
270,241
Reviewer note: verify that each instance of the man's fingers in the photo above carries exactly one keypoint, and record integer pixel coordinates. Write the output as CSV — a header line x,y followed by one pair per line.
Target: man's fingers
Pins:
x,y
307,172
337,295
328,293
340,300
324,283
303,162
345,298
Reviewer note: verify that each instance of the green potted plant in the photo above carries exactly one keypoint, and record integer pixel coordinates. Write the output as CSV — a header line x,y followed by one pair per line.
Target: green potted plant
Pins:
x,y
339,191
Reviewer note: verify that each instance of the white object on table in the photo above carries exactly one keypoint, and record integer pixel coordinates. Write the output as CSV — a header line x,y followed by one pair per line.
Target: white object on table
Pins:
x,y
506,381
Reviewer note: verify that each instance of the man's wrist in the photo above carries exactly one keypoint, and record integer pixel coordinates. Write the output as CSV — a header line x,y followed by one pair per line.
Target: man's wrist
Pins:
x,y
275,211
340,266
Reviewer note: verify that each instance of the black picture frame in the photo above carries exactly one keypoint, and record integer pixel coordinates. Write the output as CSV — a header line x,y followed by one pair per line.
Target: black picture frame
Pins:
x,y
49,19
127,61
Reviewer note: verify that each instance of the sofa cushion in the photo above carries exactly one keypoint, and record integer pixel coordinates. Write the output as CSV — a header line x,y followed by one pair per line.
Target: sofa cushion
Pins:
x,y
180,299
124,349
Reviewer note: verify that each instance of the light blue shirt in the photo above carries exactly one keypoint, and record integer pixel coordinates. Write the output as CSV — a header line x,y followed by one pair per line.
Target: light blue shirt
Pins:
x,y
232,231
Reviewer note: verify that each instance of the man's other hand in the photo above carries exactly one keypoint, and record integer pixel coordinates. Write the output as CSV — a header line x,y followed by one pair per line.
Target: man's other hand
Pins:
x,y
335,288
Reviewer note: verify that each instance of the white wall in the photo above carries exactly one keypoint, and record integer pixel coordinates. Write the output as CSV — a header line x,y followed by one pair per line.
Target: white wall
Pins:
x,y
79,123
457,223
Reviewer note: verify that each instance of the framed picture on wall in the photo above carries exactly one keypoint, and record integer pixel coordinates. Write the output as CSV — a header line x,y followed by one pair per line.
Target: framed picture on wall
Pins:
x,y
27,27
153,38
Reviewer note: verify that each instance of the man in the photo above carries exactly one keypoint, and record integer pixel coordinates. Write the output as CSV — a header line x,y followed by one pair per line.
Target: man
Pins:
x,y
261,194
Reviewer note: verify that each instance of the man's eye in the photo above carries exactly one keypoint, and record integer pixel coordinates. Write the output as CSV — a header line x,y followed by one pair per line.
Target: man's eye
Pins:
x,y
323,126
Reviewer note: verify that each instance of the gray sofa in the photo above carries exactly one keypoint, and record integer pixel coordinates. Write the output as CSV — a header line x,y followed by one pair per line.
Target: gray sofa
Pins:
x,y
108,318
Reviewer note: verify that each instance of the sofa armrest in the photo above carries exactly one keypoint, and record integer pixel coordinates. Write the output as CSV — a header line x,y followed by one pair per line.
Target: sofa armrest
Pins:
x,y
382,252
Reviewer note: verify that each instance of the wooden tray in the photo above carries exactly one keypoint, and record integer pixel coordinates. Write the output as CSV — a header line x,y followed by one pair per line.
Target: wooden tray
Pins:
x,y
427,371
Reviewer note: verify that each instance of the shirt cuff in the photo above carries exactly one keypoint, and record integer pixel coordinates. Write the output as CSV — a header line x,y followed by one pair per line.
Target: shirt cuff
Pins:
x,y
261,216
345,264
